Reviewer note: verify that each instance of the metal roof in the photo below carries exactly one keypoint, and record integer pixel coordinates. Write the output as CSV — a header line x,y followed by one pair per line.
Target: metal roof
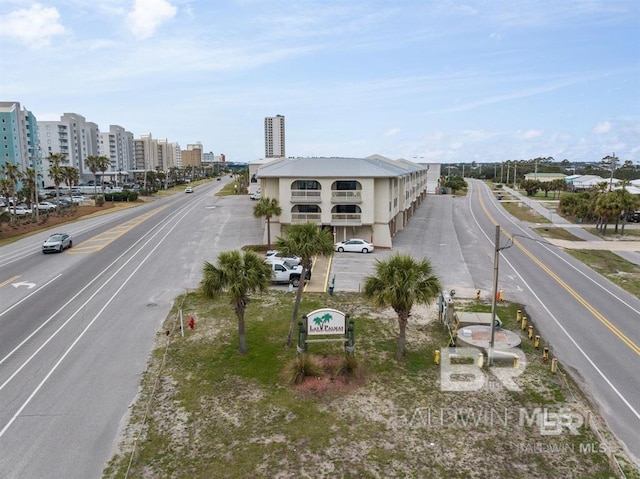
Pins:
x,y
333,167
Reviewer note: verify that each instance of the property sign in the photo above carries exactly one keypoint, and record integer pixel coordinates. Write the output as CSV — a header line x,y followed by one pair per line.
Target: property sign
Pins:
x,y
326,321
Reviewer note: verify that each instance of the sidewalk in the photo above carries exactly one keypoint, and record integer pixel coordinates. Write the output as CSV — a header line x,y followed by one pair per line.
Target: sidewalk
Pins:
x,y
629,250
320,271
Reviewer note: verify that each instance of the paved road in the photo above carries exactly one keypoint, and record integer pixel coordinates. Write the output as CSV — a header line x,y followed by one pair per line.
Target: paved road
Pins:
x,y
77,328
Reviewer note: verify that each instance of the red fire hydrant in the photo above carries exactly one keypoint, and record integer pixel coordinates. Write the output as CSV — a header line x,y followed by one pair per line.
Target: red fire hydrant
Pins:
x,y
192,323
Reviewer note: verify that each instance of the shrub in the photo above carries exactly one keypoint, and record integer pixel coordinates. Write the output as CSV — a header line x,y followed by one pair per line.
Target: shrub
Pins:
x,y
303,366
122,196
350,367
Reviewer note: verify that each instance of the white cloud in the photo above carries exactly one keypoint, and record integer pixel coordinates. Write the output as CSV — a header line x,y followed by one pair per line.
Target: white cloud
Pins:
x,y
528,134
148,15
392,132
34,26
602,127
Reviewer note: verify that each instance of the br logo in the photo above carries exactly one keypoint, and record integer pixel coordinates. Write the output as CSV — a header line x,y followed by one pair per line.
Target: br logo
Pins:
x,y
461,369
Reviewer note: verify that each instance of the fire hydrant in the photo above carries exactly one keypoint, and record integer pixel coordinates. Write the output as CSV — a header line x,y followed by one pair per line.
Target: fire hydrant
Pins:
x,y
192,323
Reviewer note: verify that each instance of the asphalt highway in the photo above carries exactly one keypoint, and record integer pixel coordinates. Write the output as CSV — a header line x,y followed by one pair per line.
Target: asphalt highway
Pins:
x,y
76,328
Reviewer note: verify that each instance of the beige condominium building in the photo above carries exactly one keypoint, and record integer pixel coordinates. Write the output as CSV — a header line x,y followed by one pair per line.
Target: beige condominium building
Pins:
x,y
370,198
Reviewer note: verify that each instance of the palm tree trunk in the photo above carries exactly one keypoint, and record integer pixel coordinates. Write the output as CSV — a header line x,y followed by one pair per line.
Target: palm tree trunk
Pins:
x,y
296,304
242,336
402,337
268,232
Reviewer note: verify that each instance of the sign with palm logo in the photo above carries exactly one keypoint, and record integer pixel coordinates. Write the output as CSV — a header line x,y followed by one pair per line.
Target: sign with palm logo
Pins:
x,y
326,321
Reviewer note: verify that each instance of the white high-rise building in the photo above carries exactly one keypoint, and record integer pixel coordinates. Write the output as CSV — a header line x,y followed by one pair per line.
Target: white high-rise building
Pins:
x,y
274,137
72,136
117,145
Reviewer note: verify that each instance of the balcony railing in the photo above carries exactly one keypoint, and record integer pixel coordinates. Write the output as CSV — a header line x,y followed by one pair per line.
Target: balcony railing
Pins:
x,y
346,219
298,218
346,196
306,196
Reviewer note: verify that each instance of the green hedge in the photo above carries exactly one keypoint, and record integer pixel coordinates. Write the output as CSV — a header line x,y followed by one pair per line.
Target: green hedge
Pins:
x,y
122,196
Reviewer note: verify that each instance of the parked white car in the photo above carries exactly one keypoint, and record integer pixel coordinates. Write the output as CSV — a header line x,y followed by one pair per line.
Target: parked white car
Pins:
x,y
282,272
354,245
292,260
19,210
46,206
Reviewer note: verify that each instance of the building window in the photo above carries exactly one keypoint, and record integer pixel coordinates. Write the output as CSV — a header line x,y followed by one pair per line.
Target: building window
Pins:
x,y
347,185
306,185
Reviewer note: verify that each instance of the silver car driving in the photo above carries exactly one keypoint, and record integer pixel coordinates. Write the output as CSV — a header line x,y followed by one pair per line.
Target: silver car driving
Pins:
x,y
57,243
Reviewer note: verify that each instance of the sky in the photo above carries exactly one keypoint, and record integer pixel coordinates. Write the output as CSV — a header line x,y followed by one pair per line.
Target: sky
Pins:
x,y
445,81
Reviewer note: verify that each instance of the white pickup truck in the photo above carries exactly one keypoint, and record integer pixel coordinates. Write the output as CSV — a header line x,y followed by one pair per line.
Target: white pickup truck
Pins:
x,y
282,272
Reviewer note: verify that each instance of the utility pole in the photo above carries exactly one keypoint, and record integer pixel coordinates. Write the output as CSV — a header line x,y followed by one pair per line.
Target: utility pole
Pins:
x,y
495,294
612,162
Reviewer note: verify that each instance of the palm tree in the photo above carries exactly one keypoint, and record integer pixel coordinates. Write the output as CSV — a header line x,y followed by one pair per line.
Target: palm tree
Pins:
x,y
11,172
399,282
267,207
30,177
305,240
238,275
55,172
71,178
95,164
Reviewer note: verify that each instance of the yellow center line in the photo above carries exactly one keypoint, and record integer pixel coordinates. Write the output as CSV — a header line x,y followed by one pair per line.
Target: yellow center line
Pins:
x,y
9,281
634,347
100,241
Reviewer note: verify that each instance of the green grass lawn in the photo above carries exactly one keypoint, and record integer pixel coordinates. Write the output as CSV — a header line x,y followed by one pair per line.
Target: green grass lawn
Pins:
x,y
205,411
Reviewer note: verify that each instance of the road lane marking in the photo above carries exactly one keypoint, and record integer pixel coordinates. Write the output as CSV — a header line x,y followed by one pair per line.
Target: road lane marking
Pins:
x,y
555,320
95,318
9,281
626,340
99,242
25,298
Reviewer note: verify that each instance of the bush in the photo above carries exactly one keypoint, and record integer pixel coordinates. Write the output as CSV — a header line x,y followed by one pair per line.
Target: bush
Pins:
x,y
99,200
303,366
122,196
350,367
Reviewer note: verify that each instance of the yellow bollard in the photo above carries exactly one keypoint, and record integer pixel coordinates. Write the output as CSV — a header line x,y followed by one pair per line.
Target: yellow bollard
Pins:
x,y
524,323
554,365
545,354
536,342
518,315
530,332
515,362
436,357
480,360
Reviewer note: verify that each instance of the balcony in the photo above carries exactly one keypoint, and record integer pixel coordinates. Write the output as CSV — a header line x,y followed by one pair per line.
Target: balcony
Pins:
x,y
306,196
301,218
346,196
346,219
